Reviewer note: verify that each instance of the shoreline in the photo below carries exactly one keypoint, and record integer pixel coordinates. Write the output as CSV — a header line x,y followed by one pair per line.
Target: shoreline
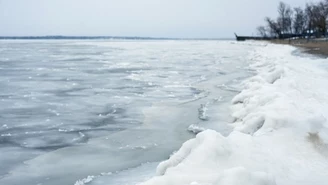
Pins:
x,y
317,48
280,123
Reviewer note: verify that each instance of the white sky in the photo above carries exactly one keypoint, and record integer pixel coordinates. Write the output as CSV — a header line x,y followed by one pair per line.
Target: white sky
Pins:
x,y
154,18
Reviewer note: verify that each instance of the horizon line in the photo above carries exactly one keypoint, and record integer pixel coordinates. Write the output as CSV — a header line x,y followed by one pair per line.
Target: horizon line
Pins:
x,y
107,37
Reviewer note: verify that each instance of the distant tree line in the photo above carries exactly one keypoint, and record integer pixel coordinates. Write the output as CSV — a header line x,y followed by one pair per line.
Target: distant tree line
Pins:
x,y
312,20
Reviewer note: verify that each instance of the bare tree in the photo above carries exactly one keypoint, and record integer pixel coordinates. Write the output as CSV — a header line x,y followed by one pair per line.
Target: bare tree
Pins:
x,y
317,17
299,21
309,11
274,28
261,30
285,17
322,11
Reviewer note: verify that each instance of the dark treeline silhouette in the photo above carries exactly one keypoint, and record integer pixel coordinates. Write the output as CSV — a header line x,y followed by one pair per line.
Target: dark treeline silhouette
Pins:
x,y
297,22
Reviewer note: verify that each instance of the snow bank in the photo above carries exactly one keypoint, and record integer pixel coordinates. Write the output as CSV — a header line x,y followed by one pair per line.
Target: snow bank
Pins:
x,y
211,158
280,131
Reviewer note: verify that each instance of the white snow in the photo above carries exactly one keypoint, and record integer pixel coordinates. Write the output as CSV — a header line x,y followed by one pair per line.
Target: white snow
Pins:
x,y
280,131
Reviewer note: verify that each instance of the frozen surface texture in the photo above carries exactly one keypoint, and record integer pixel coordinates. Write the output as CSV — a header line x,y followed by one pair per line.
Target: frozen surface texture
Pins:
x,y
280,129
72,110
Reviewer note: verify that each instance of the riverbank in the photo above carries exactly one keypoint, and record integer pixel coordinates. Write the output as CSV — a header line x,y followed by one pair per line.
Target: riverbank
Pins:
x,y
319,47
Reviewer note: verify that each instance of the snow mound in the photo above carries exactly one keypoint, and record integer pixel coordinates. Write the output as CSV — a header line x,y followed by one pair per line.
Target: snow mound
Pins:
x,y
287,92
280,131
210,158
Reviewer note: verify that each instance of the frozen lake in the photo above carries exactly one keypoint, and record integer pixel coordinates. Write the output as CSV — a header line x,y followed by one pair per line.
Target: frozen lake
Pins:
x,y
74,108
99,112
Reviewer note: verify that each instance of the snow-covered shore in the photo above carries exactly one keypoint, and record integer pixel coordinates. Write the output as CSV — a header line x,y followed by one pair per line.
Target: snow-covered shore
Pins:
x,y
280,131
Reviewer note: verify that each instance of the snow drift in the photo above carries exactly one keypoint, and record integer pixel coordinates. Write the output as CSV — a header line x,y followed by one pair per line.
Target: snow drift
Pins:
x,y
280,130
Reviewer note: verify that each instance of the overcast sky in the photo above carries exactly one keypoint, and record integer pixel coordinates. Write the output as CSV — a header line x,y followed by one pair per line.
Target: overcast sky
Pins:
x,y
154,18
